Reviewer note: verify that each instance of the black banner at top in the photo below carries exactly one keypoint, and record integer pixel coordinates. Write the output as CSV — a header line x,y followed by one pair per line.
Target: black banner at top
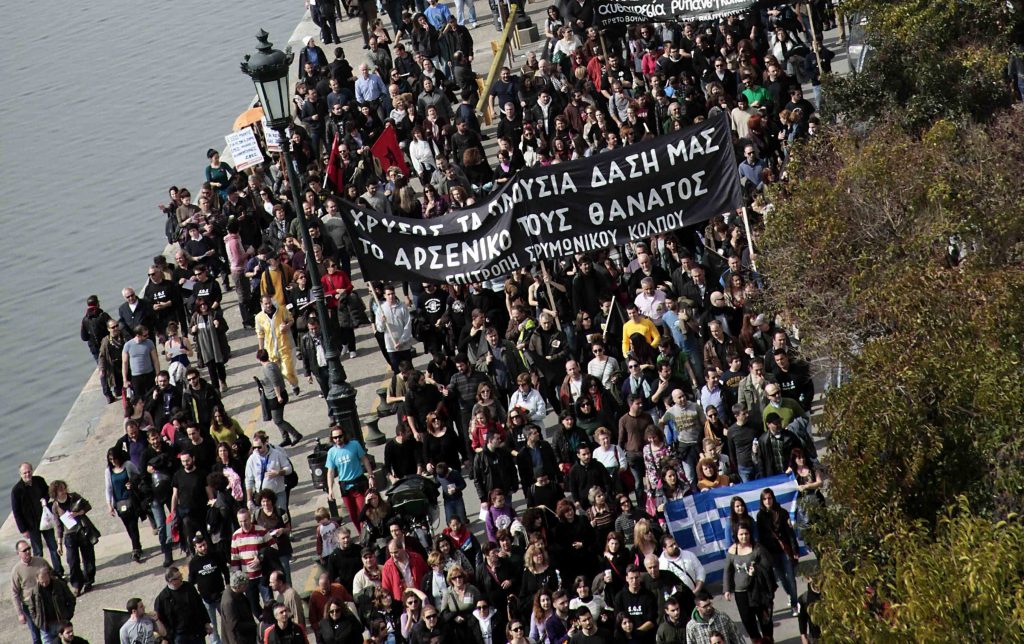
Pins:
x,y
544,213
625,12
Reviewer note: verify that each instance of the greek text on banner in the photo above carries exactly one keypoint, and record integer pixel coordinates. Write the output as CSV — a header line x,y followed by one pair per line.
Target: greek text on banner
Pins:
x,y
645,189
620,12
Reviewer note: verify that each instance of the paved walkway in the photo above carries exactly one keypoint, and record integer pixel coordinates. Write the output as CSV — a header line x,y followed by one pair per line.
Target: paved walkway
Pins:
x,y
77,452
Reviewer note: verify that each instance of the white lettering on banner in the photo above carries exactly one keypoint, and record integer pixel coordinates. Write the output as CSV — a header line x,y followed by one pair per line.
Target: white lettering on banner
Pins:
x,y
440,257
693,6
642,202
504,267
373,249
659,225
644,10
474,219
639,165
543,223
368,222
562,247
533,188
688,149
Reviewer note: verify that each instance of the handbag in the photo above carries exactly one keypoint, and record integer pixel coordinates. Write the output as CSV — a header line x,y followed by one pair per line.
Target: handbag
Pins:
x,y
124,507
626,478
47,521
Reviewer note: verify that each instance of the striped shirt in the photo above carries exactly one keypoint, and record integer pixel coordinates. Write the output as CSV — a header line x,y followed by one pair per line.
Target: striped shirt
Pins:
x,y
246,547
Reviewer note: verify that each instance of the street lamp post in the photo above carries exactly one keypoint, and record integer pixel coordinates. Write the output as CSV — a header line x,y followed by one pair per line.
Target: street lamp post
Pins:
x,y
268,69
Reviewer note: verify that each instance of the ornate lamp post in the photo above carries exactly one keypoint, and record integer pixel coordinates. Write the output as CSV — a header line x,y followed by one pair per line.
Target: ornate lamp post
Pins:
x,y
268,69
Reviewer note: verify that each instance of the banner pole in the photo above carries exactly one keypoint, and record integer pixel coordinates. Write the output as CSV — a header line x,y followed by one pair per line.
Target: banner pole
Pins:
x,y
551,296
814,39
380,309
750,238
608,322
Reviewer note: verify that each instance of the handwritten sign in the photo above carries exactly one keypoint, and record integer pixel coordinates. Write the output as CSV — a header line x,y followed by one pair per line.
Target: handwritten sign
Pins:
x,y
245,151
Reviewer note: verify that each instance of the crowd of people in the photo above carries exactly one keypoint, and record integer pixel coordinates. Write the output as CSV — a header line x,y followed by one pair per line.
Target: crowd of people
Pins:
x,y
665,379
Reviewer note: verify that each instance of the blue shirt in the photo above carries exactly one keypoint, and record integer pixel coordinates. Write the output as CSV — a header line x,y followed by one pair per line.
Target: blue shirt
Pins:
x,y
437,15
752,171
346,461
370,88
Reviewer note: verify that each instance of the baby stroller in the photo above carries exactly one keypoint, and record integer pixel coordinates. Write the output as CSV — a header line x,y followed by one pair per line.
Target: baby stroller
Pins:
x,y
414,500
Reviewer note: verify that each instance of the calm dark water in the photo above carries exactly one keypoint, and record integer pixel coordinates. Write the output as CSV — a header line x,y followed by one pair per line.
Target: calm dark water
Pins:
x,y
106,104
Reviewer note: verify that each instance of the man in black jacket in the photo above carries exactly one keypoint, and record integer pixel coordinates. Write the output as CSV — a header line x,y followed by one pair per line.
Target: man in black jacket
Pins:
x,y
199,399
587,287
163,400
586,474
135,311
27,498
494,468
774,447
94,329
535,459
181,610
284,630
346,560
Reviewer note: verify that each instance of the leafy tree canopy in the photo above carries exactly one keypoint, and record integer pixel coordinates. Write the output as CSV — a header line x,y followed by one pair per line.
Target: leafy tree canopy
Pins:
x,y
933,59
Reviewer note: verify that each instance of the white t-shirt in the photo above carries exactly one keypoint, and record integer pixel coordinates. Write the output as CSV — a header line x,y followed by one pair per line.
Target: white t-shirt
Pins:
x,y
607,457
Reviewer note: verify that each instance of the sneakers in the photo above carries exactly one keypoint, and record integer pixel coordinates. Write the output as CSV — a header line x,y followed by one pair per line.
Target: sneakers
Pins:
x,y
796,611
352,354
295,390
473,25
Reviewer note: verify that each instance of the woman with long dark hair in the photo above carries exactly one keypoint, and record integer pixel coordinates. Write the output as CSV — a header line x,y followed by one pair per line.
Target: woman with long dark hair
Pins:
x,y
779,539
121,481
748,568
808,485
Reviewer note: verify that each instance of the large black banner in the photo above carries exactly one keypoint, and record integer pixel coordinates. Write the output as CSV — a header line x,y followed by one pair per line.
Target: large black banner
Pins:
x,y
624,12
629,194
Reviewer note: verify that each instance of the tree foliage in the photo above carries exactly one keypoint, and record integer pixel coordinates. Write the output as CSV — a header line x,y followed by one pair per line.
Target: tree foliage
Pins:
x,y
933,59
957,583
857,251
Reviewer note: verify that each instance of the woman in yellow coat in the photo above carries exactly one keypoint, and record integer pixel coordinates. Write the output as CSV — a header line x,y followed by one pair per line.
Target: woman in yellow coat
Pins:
x,y
273,331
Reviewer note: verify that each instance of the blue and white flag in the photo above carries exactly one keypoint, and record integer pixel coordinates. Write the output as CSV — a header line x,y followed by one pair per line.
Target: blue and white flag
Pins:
x,y
700,522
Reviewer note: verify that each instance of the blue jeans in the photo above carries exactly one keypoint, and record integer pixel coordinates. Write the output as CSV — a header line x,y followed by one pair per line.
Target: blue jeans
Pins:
x,y
212,610
784,573
455,508
32,630
746,473
36,537
159,515
50,634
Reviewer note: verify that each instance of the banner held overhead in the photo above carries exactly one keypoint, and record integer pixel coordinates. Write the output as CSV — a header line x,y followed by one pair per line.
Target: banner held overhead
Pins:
x,y
626,12
631,193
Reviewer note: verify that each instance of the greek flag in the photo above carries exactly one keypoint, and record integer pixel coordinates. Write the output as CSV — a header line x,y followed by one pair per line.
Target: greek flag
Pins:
x,y
700,522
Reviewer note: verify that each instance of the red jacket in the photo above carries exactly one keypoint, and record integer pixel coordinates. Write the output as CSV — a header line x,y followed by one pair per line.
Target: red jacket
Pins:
x,y
391,579
334,285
